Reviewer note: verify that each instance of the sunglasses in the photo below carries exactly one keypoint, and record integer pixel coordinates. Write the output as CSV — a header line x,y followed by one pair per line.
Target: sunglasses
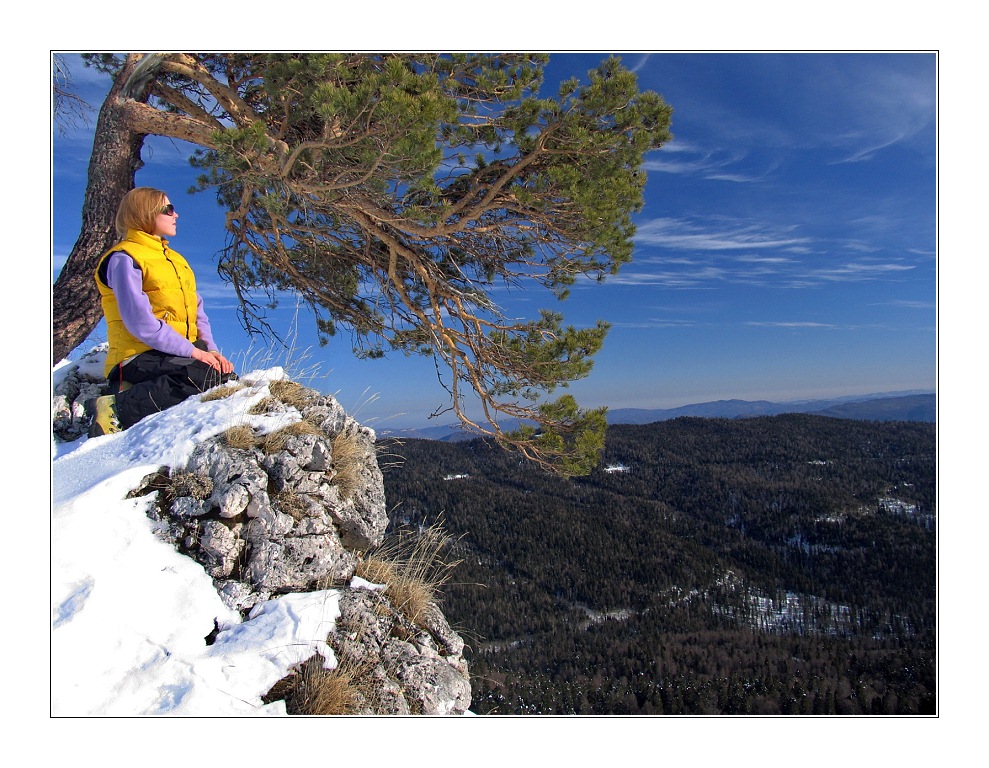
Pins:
x,y
168,210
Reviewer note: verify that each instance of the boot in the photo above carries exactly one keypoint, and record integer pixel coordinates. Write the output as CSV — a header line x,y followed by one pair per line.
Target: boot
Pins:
x,y
103,411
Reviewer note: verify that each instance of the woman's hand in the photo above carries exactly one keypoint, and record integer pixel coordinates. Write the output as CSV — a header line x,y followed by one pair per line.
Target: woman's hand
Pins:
x,y
214,360
225,365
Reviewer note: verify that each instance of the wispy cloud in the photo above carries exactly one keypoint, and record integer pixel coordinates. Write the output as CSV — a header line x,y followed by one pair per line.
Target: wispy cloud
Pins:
x,y
850,107
685,159
681,234
636,64
703,277
905,304
887,104
790,324
654,323
856,271
774,260
695,253
863,146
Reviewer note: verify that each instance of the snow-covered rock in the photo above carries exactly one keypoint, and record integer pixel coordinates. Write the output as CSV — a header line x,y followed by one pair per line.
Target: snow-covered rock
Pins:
x,y
195,574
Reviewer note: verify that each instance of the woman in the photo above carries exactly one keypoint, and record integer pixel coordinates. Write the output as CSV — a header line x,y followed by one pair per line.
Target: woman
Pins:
x,y
161,346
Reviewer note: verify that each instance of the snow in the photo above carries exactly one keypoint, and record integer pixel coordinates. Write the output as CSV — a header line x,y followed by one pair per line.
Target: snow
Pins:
x,y
129,614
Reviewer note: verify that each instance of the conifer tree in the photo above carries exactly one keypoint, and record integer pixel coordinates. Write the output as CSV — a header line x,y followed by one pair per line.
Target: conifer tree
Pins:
x,y
392,193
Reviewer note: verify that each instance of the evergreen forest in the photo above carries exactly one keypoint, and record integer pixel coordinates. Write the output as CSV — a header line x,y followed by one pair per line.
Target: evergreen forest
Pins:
x,y
782,565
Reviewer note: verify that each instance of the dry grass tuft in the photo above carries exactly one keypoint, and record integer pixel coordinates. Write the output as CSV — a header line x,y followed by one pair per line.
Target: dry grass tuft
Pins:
x,y
263,406
242,437
198,485
349,458
314,690
328,691
275,441
291,393
291,504
218,393
389,453
413,567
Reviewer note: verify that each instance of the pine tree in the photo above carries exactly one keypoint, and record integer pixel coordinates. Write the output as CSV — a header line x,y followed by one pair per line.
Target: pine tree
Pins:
x,y
392,193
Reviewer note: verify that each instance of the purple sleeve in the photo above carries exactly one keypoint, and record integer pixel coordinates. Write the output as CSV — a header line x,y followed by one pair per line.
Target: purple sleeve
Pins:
x,y
124,279
202,325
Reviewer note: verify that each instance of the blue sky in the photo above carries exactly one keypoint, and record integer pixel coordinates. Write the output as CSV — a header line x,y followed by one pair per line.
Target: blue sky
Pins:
x,y
787,248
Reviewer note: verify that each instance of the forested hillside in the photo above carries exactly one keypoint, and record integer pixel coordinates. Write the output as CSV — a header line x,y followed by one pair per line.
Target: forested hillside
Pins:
x,y
783,564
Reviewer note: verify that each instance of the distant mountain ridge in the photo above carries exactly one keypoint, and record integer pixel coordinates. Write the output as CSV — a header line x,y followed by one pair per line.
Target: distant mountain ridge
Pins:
x,y
914,405
908,406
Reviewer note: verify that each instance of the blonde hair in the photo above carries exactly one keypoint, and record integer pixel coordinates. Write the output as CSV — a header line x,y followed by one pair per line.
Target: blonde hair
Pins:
x,y
138,210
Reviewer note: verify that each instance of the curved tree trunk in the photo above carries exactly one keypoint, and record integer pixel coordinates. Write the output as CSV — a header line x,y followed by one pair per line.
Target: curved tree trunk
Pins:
x,y
115,160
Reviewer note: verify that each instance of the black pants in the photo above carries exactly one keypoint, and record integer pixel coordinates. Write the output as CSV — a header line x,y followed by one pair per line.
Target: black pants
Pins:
x,y
159,381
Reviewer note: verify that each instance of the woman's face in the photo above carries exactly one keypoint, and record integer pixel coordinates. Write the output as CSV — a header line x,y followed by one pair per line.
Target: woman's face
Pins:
x,y
165,222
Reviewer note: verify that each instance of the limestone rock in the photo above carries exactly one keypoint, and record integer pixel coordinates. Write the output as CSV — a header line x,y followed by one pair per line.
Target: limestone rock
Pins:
x,y
287,513
407,669
298,563
432,685
220,546
83,381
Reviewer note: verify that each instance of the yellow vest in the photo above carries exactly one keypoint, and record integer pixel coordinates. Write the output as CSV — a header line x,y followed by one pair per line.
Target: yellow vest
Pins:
x,y
168,281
